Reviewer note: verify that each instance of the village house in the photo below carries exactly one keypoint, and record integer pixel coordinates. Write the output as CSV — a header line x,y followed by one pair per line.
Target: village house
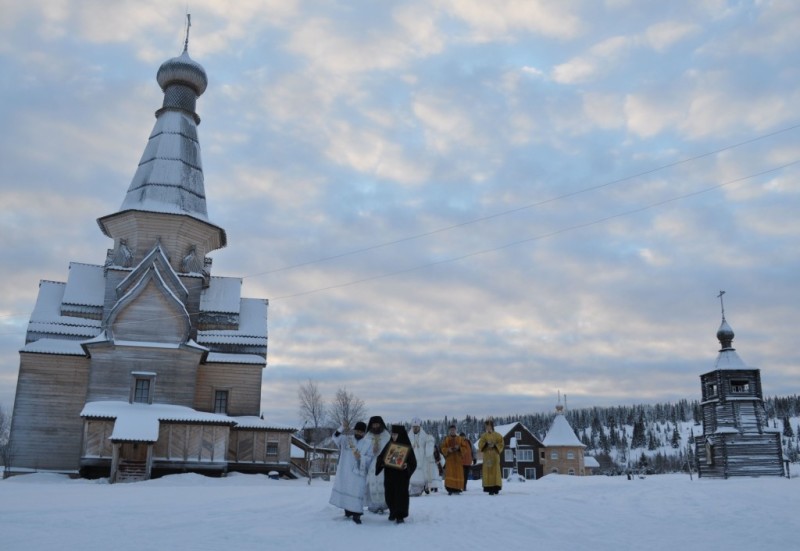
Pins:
x,y
521,453
147,364
563,452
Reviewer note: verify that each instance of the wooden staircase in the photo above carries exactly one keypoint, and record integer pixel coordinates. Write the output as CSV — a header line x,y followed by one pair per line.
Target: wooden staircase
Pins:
x,y
131,471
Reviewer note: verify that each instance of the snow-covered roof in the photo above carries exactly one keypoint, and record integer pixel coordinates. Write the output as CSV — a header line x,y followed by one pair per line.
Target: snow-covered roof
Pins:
x,y
590,462
222,358
255,422
139,422
504,429
46,317
169,177
55,346
252,326
729,359
85,285
561,434
223,295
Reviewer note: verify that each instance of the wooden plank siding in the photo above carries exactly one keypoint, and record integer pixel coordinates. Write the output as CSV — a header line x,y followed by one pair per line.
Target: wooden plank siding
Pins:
x,y
97,438
175,368
152,316
191,442
177,234
242,381
46,426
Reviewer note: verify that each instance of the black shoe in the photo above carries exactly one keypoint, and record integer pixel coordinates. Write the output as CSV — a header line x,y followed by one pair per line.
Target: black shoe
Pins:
x,y
399,521
348,514
391,517
356,518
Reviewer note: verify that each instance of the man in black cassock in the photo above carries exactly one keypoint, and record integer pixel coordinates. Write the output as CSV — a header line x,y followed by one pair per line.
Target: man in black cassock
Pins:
x,y
395,480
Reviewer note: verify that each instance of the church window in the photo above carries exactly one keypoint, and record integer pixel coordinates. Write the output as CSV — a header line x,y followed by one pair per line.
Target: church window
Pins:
x,y
518,436
740,386
221,401
530,474
272,449
572,472
570,455
509,456
711,390
525,455
142,387
553,455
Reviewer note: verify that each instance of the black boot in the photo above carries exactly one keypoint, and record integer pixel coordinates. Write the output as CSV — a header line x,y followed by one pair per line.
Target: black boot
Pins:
x,y
356,518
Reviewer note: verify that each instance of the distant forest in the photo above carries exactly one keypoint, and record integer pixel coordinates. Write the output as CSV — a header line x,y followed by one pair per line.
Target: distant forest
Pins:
x,y
655,437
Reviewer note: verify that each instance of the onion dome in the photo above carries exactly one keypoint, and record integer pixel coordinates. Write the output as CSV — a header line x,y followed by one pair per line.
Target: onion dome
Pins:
x,y
183,80
182,70
725,335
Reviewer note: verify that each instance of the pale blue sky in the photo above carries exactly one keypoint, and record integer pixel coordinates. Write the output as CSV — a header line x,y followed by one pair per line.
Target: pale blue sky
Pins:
x,y
579,178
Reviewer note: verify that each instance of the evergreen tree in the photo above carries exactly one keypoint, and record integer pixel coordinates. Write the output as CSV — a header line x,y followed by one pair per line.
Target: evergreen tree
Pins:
x,y
787,428
639,438
676,438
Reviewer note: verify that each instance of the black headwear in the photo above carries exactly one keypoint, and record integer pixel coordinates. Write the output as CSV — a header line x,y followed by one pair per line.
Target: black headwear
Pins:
x,y
377,419
402,435
361,426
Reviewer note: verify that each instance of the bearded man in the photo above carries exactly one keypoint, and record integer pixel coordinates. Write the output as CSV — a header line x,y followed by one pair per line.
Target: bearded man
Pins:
x,y
350,482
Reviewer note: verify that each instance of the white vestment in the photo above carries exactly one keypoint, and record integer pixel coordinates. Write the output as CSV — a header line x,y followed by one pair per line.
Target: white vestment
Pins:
x,y
422,443
350,481
375,495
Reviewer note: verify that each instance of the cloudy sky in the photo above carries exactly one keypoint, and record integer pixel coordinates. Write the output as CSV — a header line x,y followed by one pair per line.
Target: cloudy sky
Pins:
x,y
454,206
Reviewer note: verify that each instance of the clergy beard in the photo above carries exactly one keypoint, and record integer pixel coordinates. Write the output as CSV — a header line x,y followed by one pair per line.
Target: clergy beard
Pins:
x,y
359,436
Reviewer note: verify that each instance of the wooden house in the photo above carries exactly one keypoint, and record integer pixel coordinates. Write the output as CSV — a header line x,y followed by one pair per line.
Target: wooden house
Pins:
x,y
146,363
563,451
736,439
522,451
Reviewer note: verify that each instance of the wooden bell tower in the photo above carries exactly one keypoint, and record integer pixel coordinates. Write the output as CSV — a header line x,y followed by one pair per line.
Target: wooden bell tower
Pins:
x,y
736,439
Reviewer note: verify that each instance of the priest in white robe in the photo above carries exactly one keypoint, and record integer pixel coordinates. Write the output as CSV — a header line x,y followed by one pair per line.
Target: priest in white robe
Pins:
x,y
377,437
422,443
349,485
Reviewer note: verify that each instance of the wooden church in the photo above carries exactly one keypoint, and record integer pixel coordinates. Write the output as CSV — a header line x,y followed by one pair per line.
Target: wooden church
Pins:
x,y
736,439
147,364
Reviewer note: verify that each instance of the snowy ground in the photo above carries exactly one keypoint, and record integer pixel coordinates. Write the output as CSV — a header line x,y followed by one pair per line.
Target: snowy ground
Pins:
x,y
244,512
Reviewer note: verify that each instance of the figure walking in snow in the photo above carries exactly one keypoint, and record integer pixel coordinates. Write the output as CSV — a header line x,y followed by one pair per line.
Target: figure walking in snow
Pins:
x,y
491,446
377,437
454,450
397,464
468,459
422,443
350,483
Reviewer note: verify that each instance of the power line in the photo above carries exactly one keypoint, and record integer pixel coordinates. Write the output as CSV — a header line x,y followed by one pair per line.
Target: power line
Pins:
x,y
539,237
526,207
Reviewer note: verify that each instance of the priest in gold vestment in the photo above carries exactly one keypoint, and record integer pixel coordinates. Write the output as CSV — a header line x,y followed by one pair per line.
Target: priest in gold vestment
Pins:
x,y
491,445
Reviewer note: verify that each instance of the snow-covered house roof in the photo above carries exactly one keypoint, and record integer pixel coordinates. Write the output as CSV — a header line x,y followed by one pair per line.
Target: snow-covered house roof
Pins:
x,y
590,462
561,434
255,422
85,285
46,318
252,326
139,422
222,358
55,346
222,295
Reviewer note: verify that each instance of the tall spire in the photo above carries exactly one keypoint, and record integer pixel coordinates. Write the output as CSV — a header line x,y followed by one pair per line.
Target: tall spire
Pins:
x,y
169,178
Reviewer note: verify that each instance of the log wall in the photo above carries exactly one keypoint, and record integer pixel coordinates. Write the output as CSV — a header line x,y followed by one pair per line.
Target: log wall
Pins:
x,y
46,427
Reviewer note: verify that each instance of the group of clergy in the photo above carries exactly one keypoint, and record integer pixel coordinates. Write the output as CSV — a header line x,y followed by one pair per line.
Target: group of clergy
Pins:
x,y
380,467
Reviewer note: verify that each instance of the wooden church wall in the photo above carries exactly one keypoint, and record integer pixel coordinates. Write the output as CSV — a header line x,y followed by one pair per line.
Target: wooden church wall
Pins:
x,y
242,381
46,424
175,369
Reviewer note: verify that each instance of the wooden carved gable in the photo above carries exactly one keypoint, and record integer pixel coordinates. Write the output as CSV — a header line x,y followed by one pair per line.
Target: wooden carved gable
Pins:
x,y
151,304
